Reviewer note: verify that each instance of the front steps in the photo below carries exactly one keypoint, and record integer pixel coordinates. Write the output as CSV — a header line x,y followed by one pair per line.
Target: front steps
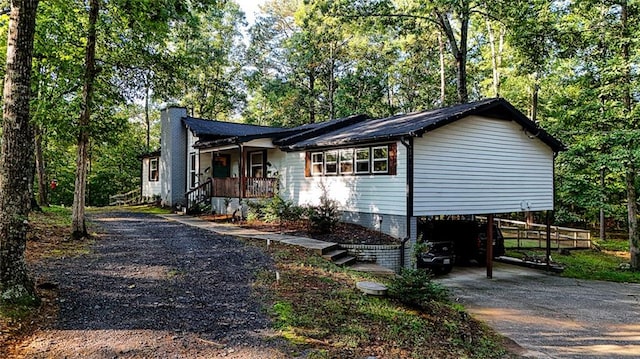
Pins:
x,y
337,255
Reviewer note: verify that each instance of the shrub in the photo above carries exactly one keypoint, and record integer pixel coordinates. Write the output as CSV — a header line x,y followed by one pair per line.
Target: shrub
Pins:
x,y
414,287
274,209
325,217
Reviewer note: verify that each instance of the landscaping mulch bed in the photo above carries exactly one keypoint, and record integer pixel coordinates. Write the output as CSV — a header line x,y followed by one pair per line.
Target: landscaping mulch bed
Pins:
x,y
347,233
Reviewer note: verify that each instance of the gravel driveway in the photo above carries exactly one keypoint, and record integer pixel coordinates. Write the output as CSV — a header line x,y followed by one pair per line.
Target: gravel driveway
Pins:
x,y
551,316
154,288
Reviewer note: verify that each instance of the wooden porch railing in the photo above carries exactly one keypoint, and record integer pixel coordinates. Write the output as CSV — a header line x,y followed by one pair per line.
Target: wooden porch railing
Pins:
x,y
256,187
252,187
199,195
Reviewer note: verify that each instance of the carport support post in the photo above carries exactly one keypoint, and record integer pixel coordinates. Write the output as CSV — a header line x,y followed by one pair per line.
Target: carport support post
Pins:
x,y
548,218
490,246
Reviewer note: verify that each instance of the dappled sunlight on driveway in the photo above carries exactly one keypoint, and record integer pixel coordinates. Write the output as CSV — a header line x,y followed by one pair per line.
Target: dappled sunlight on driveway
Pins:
x,y
550,316
602,350
523,318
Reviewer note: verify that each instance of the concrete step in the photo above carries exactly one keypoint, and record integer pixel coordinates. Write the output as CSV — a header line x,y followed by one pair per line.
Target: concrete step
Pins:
x,y
345,261
335,254
326,247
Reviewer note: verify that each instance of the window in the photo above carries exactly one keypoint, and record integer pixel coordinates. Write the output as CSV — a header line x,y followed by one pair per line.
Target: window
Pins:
x,y
256,163
362,160
346,161
153,169
193,176
380,159
317,163
350,161
331,162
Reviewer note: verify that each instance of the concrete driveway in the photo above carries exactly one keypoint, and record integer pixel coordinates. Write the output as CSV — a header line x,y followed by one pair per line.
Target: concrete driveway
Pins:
x,y
550,316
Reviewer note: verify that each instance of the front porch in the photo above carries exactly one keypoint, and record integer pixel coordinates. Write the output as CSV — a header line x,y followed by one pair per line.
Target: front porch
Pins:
x,y
231,187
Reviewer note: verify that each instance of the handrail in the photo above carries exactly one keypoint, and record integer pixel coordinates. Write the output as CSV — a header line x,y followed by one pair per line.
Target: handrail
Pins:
x,y
199,195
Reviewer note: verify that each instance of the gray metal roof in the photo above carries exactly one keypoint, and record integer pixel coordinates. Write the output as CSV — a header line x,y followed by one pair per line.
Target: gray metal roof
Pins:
x,y
416,124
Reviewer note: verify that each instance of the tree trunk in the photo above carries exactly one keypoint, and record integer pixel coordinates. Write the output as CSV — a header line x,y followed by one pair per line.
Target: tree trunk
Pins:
x,y
79,229
332,82
534,99
146,111
496,55
43,190
16,160
632,210
443,80
312,96
632,195
459,51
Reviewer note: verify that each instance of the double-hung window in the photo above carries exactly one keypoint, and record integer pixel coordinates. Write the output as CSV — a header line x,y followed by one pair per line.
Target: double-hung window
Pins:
x,y
317,163
380,159
153,169
346,161
257,164
363,164
193,174
331,162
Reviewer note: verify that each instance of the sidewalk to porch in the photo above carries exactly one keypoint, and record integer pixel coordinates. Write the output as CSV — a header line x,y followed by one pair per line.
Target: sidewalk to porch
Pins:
x,y
305,242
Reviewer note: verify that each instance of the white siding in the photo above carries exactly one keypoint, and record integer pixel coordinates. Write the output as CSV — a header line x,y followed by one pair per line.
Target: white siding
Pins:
x,y
149,188
479,165
379,194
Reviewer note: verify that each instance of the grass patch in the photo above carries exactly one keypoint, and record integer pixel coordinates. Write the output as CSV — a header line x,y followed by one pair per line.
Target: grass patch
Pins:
x,y
613,245
316,306
142,208
592,264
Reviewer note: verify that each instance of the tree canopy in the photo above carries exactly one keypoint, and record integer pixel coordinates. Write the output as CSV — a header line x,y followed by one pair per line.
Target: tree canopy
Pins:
x,y
572,66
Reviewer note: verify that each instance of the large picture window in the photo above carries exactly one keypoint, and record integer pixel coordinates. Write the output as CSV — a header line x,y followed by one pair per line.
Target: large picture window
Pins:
x,y
352,161
153,169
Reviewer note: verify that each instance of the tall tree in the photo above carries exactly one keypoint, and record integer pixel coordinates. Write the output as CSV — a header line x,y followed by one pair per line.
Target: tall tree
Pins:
x,y
16,169
78,225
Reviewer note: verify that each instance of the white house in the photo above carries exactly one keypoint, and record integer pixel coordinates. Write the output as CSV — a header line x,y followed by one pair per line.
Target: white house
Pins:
x,y
484,157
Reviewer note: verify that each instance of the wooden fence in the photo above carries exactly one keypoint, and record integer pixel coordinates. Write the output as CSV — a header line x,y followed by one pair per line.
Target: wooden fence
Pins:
x,y
131,197
518,234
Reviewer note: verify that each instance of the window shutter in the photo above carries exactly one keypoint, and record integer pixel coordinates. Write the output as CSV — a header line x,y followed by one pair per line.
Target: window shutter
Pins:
x,y
393,158
307,164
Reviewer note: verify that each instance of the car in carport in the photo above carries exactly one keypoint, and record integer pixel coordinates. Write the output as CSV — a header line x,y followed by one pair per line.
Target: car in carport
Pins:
x,y
445,243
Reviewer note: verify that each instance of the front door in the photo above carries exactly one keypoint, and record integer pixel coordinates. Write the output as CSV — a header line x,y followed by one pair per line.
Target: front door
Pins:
x,y
222,166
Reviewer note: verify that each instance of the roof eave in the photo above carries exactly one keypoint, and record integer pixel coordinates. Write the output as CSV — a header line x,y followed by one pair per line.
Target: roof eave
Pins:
x,y
371,140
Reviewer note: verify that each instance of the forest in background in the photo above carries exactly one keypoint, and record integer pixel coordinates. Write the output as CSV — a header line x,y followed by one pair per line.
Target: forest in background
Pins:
x,y
571,66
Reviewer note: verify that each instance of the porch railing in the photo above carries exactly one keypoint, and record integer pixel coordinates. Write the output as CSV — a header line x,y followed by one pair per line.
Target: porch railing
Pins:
x,y
199,195
232,187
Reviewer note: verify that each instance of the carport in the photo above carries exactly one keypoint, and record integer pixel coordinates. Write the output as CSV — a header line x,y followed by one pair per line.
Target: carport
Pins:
x,y
490,161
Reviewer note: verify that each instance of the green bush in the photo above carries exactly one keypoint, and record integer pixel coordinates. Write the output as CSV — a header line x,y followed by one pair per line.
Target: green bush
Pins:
x,y
325,217
274,209
414,287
